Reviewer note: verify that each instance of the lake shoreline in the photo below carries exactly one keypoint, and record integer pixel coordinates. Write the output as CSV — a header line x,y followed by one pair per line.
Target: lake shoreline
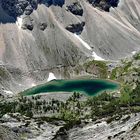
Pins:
x,y
89,87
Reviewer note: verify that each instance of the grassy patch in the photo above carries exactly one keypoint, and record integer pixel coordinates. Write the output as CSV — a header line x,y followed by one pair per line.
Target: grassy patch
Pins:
x,y
98,68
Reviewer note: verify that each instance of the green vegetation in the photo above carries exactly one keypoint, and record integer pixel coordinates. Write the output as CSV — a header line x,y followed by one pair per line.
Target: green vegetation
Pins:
x,y
128,71
96,67
79,108
137,56
75,109
3,72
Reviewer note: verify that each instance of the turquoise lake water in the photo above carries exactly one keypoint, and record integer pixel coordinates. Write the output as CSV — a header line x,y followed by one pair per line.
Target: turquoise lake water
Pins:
x,y
89,87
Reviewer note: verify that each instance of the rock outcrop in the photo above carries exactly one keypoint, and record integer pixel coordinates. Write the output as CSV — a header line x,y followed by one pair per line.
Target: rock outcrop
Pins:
x,y
75,8
16,8
76,28
7,134
104,4
122,129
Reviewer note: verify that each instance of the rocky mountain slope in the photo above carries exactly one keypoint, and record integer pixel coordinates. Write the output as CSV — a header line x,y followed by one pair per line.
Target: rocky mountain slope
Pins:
x,y
111,115
42,40
7,134
39,36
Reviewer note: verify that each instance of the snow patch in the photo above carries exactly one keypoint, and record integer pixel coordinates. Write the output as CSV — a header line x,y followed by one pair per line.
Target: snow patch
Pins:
x,y
134,52
8,92
83,42
19,22
33,84
96,57
51,77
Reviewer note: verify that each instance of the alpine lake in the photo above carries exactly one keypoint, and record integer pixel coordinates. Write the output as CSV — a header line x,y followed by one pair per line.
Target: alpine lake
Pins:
x,y
89,87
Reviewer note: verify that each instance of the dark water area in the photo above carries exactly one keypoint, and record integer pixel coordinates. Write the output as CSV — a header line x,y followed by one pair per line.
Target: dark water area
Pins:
x,y
89,87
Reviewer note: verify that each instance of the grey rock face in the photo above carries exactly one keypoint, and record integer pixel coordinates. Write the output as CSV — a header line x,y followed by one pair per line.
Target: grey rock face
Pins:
x,y
101,130
18,7
104,4
28,10
27,23
7,134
